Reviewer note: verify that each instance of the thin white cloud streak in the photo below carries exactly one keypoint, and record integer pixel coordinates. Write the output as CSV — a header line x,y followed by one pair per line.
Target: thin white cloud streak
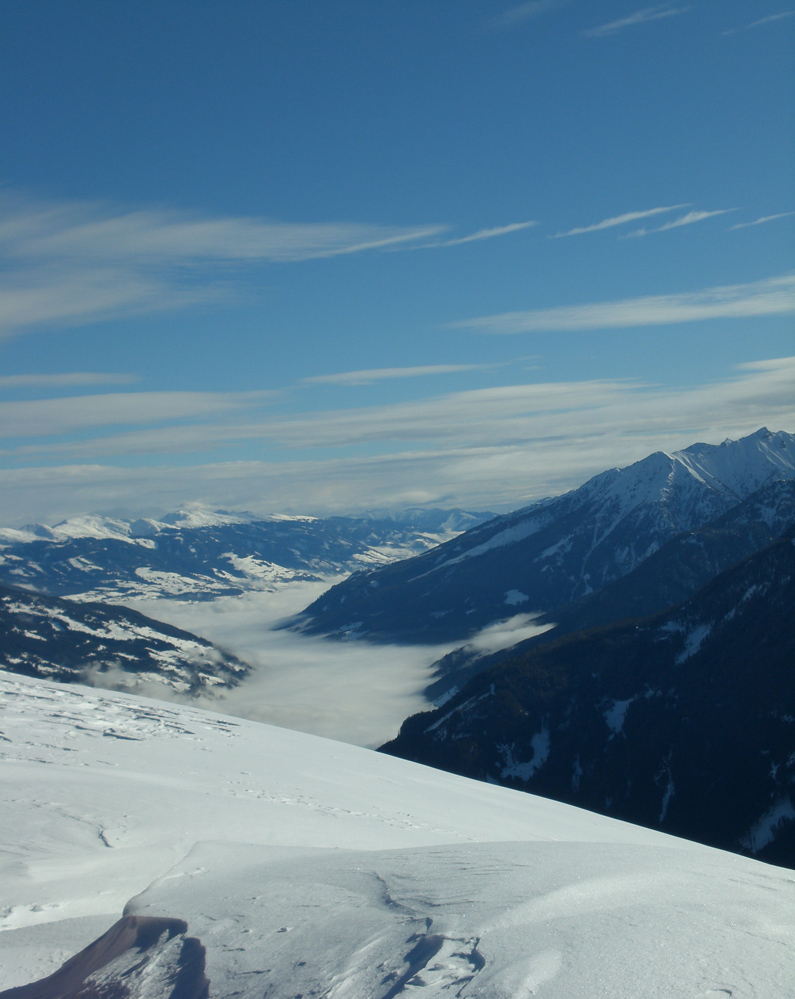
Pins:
x,y
774,296
489,233
77,414
501,455
65,380
770,19
367,377
760,221
689,219
639,17
526,12
692,217
474,237
503,634
48,417
618,220
68,263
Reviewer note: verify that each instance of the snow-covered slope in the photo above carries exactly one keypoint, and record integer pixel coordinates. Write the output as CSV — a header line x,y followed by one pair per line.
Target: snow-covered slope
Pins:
x,y
555,551
199,553
306,867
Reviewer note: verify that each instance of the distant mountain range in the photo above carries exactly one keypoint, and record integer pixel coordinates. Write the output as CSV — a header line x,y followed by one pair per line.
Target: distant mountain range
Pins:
x,y
684,721
553,557
102,645
201,554
196,554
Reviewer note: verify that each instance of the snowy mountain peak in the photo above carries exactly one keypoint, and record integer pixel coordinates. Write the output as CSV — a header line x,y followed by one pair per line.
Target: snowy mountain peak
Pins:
x,y
745,465
89,526
199,515
733,468
291,518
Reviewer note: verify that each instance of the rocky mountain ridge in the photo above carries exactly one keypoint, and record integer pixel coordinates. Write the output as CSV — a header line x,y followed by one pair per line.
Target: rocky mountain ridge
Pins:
x,y
554,552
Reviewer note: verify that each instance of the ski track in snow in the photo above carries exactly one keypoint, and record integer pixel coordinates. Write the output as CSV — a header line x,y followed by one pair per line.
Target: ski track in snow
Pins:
x,y
309,867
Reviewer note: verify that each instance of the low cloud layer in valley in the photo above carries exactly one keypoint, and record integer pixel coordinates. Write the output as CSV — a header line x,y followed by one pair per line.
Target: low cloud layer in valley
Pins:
x,y
352,691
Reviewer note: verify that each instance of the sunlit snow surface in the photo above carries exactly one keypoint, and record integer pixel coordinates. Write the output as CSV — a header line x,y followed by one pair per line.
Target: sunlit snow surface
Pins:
x,y
308,867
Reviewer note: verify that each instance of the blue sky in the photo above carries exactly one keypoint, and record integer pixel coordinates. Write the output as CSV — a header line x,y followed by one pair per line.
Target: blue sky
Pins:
x,y
325,257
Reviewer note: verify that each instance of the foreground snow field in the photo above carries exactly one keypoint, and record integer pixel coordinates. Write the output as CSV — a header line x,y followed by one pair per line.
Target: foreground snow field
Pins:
x,y
308,867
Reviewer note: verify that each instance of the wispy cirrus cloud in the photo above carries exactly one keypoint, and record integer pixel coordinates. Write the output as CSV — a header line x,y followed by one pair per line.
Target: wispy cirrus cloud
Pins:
x,y
473,417
618,220
770,19
198,432
760,221
639,17
774,296
485,449
63,294
66,379
492,233
68,262
690,219
501,230
367,377
526,12
70,414
501,416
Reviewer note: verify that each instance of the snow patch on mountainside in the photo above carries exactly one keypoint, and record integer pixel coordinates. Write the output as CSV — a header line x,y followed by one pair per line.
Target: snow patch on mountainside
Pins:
x,y
515,597
509,536
540,744
764,831
616,714
693,642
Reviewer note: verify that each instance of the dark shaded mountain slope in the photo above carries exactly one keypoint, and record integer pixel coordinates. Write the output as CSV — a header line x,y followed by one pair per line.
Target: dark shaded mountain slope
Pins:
x,y
669,576
684,721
